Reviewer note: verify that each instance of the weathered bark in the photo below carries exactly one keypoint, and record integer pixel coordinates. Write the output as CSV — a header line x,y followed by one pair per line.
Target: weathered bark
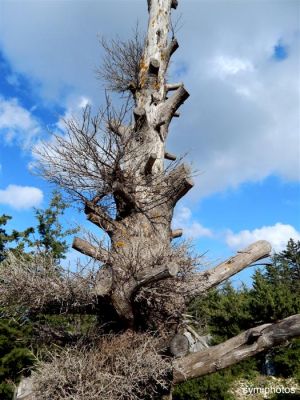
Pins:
x,y
205,280
246,344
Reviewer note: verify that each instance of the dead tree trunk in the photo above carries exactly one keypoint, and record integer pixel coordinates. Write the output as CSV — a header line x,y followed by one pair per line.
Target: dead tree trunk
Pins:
x,y
145,195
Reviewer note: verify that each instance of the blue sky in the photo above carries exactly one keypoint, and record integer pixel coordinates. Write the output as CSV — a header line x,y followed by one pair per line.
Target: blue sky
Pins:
x,y
240,127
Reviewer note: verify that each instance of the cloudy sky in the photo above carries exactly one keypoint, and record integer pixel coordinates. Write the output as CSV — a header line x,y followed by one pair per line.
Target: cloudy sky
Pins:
x,y
239,60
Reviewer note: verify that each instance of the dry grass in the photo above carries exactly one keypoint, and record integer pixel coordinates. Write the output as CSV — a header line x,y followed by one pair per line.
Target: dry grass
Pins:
x,y
123,367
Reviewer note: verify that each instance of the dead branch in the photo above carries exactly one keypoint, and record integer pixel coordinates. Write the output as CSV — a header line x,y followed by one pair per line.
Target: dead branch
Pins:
x,y
246,344
171,105
120,367
203,281
179,182
86,248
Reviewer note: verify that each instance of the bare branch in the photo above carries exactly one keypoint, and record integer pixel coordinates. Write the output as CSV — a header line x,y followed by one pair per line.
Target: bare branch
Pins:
x,y
246,344
172,47
121,63
117,367
98,216
208,279
170,106
117,128
86,248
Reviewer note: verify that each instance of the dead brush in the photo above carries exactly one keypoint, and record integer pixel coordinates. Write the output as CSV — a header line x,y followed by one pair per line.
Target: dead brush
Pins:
x,y
123,367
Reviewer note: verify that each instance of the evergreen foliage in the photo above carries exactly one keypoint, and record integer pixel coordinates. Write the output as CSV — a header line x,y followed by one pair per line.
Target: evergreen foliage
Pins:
x,y
51,235
17,238
15,357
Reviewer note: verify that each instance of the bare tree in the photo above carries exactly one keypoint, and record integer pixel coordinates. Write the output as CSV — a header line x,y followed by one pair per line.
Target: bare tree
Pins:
x,y
114,165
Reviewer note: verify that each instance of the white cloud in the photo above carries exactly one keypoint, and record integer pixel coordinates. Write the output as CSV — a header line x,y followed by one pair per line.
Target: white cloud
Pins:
x,y
225,65
192,229
243,114
17,124
278,235
21,197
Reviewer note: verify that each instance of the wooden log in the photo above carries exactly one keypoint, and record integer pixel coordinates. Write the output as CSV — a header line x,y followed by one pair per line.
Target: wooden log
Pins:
x,y
156,274
246,344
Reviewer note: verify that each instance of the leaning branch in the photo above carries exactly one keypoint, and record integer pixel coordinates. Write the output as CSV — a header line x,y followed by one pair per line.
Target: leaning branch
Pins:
x,y
211,278
246,344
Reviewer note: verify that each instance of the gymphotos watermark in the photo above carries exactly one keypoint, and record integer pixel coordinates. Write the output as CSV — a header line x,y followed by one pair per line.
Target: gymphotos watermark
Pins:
x,y
266,391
